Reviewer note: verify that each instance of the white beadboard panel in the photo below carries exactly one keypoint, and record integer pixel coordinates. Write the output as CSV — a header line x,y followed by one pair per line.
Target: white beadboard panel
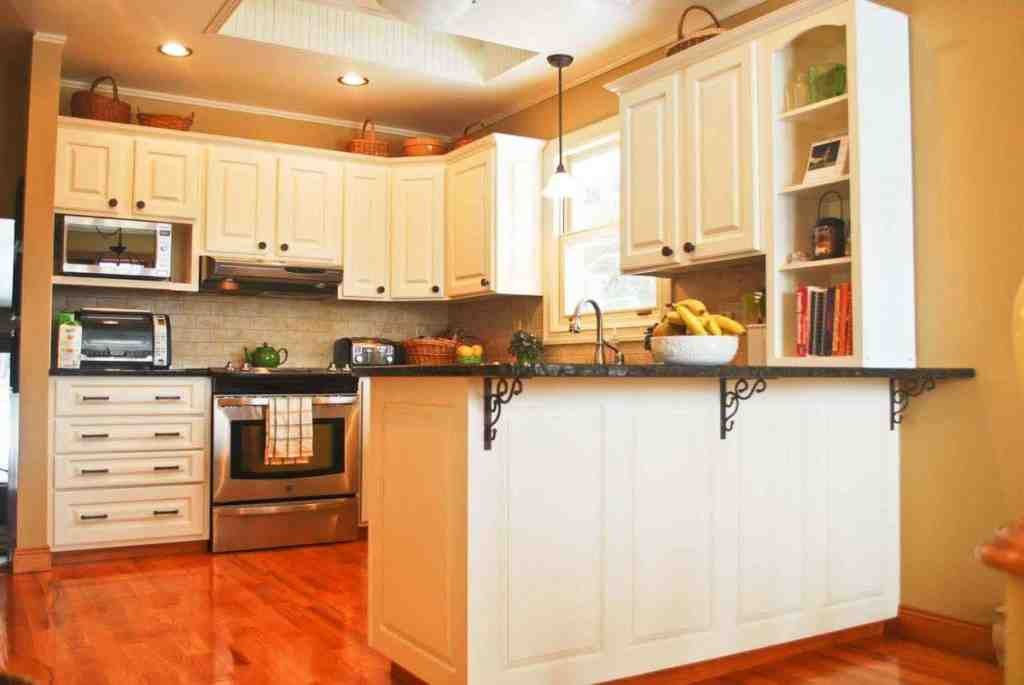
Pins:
x,y
555,577
361,37
673,498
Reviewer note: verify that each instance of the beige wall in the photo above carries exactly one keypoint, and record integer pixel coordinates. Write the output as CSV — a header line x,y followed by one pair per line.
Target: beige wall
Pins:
x,y
15,48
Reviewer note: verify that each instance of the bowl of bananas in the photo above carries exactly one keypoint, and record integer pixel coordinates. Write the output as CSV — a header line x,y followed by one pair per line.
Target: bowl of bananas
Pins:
x,y
689,334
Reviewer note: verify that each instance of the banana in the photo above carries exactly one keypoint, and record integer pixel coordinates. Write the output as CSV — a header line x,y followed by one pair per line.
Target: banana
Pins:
x,y
709,323
728,326
695,306
693,324
673,318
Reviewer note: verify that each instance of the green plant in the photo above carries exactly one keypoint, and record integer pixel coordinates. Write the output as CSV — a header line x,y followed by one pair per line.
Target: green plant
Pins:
x,y
526,347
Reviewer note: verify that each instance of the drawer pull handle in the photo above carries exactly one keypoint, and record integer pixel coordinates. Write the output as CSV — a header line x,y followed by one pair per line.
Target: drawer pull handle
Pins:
x,y
168,398
176,434
95,398
93,472
95,436
167,468
93,517
165,512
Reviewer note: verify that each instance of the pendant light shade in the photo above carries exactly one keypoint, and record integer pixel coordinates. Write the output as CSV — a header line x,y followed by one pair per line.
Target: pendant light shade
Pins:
x,y
562,185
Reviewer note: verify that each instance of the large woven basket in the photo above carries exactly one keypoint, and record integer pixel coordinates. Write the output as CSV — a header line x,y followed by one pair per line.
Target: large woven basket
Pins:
x,y
166,120
688,40
367,143
430,351
88,104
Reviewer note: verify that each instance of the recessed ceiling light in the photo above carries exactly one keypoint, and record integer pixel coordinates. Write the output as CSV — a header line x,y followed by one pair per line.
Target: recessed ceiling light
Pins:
x,y
352,78
175,49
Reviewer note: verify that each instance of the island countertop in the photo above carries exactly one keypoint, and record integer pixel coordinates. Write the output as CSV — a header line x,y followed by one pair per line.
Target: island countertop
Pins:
x,y
655,371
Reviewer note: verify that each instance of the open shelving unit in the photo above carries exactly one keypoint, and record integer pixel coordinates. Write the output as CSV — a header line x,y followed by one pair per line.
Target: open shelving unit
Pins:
x,y
875,187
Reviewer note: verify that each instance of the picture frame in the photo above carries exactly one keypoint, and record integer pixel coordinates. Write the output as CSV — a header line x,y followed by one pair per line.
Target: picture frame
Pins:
x,y
827,159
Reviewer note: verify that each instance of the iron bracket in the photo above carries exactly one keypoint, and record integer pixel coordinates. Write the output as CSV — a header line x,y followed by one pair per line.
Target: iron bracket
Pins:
x,y
494,399
729,400
900,393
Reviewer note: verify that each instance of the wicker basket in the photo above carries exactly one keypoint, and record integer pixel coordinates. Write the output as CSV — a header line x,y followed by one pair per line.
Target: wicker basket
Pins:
x,y
423,147
688,40
166,121
430,351
88,104
367,143
466,139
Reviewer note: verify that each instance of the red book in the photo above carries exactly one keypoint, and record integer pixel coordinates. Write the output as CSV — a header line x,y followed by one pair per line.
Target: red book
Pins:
x,y
801,321
849,319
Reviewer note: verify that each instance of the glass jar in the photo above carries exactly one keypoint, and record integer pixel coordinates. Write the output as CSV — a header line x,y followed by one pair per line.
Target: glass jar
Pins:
x,y
827,80
798,93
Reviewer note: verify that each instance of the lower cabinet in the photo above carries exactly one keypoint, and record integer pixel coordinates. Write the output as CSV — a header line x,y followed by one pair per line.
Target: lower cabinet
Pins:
x,y
137,474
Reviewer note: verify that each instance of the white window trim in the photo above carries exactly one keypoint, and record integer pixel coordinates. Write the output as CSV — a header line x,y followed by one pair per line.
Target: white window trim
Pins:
x,y
628,326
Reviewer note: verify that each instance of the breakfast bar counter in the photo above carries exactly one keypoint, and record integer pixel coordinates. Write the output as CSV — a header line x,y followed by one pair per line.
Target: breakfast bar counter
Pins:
x,y
562,524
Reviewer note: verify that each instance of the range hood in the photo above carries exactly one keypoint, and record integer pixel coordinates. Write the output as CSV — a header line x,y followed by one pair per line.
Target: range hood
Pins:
x,y
249,278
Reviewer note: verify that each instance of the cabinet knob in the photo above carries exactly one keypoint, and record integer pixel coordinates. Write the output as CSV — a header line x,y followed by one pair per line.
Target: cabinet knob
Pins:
x,y
436,289
262,244
112,202
284,247
667,251
484,282
380,290
689,247
141,204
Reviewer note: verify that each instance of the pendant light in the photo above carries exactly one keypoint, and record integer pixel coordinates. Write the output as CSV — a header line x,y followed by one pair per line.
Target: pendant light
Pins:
x,y
561,185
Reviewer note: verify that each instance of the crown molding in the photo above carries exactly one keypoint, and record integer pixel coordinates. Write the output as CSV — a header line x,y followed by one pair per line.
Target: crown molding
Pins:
x,y
55,38
251,109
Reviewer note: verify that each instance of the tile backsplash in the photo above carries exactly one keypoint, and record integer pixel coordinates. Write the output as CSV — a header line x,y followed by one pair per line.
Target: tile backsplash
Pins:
x,y
209,329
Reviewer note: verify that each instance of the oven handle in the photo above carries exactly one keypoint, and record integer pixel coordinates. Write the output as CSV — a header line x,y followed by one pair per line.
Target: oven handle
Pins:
x,y
333,400
271,509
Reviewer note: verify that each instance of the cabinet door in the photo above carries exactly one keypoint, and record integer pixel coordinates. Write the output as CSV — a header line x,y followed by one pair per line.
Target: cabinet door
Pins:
x,y
470,231
367,265
417,232
93,172
719,171
309,209
240,198
650,153
167,179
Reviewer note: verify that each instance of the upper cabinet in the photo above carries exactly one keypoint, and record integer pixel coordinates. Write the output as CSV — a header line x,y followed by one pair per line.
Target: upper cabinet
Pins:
x,y
493,207
367,263
417,231
167,179
93,172
241,194
309,205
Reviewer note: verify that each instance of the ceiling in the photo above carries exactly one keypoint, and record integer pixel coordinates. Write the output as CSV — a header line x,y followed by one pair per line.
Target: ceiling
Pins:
x,y
119,37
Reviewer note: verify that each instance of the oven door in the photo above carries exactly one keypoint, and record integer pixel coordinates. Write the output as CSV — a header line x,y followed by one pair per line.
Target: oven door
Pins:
x,y
240,469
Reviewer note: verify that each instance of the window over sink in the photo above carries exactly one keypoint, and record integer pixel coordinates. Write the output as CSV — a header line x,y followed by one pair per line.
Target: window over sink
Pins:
x,y
581,244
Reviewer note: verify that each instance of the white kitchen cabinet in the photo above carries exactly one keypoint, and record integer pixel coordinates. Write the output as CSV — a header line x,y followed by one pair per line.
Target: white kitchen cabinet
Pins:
x,y
241,201
493,231
167,179
309,204
720,161
417,231
93,172
367,266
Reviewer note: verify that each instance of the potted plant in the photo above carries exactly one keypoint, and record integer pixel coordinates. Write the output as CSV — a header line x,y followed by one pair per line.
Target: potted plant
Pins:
x,y
526,348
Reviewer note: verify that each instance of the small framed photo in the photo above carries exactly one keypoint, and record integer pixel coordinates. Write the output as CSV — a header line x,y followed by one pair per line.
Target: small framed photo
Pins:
x,y
827,159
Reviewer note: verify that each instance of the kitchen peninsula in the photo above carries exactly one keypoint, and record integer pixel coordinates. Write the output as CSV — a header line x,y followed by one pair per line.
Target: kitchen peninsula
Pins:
x,y
577,523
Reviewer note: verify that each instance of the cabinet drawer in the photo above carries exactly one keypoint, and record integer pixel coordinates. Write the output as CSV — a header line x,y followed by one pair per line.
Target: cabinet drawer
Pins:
x,y
128,434
76,471
129,515
103,397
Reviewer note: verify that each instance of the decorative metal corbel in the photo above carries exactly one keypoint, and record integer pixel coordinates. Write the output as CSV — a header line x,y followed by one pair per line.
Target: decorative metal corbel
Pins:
x,y
901,390
729,400
494,399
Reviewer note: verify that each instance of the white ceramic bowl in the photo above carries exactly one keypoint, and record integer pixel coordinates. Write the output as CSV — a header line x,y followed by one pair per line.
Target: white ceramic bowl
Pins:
x,y
695,350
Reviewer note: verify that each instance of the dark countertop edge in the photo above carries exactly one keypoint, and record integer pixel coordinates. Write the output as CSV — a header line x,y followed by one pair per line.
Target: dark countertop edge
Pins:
x,y
654,371
132,373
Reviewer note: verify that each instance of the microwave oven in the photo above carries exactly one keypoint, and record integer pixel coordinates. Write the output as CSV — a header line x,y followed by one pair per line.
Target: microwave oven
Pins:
x,y
115,248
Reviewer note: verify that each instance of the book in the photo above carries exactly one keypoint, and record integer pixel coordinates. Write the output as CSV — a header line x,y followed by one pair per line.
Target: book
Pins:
x,y
838,322
802,316
817,330
828,323
849,319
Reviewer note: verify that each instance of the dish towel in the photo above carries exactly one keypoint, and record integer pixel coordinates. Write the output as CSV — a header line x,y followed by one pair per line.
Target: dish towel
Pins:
x,y
289,431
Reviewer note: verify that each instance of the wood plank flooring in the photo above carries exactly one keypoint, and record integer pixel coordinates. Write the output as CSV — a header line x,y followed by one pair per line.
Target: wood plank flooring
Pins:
x,y
298,617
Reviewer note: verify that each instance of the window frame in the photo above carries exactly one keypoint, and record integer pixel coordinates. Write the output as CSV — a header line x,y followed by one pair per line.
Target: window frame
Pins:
x,y
628,325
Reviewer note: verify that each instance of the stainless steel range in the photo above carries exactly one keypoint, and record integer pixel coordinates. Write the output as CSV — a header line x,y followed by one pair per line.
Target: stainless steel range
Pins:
x,y
286,457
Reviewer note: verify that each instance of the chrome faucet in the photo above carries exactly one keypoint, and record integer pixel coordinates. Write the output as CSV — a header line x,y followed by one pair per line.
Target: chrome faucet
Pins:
x,y
576,326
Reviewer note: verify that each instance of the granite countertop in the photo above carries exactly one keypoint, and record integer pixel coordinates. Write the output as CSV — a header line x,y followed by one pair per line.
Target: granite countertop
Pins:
x,y
653,371
131,373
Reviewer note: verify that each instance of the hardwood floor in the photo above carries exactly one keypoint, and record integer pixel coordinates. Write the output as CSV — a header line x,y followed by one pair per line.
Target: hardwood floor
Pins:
x,y
298,617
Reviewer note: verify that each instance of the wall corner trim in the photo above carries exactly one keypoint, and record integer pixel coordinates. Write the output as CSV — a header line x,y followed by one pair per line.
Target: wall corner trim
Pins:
x,y
31,560
967,639
42,37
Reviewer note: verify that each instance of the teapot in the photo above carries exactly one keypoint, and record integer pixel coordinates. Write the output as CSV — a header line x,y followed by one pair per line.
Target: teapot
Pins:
x,y
266,356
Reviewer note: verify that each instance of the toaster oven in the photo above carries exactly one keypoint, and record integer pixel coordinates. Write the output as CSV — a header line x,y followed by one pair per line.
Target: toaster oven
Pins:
x,y
125,338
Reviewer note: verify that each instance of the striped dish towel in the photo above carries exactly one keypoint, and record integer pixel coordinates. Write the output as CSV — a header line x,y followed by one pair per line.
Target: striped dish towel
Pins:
x,y
289,431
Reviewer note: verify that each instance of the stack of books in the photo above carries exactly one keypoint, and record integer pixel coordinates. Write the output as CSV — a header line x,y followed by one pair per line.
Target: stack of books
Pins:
x,y
824,321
